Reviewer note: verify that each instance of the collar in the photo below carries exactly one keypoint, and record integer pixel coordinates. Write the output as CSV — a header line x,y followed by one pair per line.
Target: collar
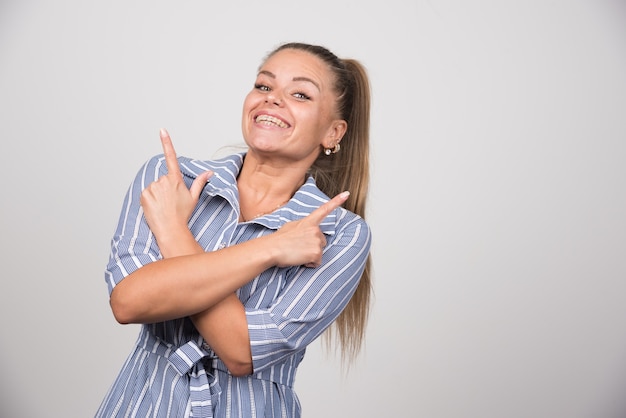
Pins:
x,y
224,183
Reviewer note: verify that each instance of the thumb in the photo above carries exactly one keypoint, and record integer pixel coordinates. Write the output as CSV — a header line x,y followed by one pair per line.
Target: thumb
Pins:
x,y
199,183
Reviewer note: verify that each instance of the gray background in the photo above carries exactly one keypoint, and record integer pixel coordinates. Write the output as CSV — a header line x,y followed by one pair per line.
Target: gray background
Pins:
x,y
498,199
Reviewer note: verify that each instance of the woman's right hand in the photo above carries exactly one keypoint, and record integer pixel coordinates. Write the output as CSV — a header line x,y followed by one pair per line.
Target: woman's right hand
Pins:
x,y
167,202
302,242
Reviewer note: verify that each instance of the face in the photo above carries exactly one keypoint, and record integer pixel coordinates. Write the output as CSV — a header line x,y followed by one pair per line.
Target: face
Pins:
x,y
291,112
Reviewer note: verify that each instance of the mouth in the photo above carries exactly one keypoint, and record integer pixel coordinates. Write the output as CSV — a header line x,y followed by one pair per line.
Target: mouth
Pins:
x,y
268,120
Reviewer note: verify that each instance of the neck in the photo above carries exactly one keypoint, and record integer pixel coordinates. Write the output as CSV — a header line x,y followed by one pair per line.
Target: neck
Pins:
x,y
264,188
268,178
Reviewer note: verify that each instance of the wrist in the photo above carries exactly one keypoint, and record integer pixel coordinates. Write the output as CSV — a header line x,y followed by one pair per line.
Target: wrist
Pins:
x,y
260,252
269,252
178,242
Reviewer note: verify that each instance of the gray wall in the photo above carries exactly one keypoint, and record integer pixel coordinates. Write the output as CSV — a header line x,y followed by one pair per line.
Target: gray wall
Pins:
x,y
498,200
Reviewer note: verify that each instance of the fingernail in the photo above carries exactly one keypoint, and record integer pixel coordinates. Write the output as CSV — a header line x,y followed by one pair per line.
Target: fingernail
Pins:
x,y
163,132
209,175
345,194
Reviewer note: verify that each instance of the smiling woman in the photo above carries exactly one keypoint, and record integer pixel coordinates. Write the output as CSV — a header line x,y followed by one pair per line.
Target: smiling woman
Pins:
x,y
292,110
235,265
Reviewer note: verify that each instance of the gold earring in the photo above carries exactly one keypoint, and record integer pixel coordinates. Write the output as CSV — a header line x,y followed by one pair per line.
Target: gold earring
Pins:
x,y
333,150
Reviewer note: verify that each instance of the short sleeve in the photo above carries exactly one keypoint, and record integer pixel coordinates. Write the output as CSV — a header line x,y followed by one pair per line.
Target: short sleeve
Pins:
x,y
133,244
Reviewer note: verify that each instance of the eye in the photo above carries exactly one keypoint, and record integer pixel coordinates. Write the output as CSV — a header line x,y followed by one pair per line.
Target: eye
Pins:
x,y
301,96
261,87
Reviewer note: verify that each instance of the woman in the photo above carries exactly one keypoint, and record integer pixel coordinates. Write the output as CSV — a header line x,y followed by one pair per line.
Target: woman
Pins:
x,y
234,266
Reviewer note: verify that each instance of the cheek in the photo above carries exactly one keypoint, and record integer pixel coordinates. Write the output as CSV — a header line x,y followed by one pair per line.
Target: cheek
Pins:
x,y
320,122
248,105
247,102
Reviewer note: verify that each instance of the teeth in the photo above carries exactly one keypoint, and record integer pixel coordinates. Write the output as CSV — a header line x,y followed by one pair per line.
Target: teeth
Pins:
x,y
270,120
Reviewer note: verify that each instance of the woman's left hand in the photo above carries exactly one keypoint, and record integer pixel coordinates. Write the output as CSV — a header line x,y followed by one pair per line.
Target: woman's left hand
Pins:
x,y
168,203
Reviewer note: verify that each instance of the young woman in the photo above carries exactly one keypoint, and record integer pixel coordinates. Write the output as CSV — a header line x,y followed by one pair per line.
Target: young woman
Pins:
x,y
235,265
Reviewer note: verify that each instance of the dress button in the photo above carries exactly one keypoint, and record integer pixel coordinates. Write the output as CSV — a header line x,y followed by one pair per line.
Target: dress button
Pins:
x,y
222,245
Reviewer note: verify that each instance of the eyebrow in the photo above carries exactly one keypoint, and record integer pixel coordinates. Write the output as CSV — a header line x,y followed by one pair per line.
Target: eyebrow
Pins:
x,y
272,75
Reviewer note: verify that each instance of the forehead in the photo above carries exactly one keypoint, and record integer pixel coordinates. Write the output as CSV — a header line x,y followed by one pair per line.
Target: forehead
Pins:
x,y
295,64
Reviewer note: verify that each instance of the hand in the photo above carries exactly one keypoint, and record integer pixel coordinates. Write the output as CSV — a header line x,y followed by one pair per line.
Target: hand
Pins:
x,y
167,203
302,242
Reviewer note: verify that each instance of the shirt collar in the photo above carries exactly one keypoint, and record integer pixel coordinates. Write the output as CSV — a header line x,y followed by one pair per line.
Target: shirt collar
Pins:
x,y
224,183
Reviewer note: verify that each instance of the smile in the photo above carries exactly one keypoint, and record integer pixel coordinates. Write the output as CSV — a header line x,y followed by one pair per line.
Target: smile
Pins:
x,y
270,121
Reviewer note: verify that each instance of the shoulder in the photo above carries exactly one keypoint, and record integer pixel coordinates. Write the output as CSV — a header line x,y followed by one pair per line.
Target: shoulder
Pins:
x,y
351,224
309,197
345,219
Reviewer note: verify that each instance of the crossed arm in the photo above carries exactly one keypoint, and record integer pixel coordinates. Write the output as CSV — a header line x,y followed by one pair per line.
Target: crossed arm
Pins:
x,y
201,285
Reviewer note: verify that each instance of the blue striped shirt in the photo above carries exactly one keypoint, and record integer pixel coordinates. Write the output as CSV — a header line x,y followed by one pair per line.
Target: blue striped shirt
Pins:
x,y
172,372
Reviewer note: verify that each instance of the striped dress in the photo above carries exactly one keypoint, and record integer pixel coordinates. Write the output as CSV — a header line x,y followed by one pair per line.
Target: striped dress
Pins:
x,y
172,372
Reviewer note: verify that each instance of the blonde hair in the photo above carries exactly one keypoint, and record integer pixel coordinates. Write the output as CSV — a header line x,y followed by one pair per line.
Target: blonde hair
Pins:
x,y
347,169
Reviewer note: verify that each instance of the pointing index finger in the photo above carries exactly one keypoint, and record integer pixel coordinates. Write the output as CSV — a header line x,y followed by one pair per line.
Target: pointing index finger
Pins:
x,y
170,154
318,215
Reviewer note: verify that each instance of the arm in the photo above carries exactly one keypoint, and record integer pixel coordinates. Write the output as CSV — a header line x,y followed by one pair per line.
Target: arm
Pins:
x,y
181,284
223,326
165,203
189,282
185,285
155,290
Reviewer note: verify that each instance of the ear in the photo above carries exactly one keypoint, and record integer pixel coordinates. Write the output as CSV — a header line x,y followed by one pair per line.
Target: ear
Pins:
x,y
336,132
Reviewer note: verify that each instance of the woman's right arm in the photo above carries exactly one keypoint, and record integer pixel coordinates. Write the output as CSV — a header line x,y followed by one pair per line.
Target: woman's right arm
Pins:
x,y
182,286
153,289
145,288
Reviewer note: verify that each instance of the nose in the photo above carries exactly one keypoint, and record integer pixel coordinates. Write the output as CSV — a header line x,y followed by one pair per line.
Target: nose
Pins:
x,y
274,98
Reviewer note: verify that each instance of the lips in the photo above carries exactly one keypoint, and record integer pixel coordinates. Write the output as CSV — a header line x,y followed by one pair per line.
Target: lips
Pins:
x,y
269,120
